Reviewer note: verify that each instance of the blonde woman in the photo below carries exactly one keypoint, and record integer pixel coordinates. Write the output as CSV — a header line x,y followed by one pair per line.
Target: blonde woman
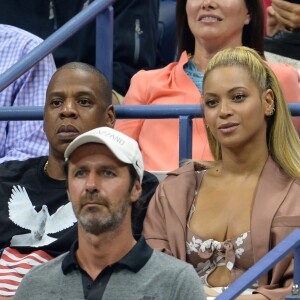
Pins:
x,y
225,217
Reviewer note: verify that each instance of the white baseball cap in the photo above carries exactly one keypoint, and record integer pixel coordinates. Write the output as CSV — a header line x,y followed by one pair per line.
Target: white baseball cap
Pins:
x,y
122,146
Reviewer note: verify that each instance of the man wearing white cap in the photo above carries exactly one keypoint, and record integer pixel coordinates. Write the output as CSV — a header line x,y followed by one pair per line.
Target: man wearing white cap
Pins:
x,y
104,171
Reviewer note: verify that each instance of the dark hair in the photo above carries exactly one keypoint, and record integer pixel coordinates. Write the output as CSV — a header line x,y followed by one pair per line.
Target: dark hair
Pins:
x,y
253,33
139,204
106,93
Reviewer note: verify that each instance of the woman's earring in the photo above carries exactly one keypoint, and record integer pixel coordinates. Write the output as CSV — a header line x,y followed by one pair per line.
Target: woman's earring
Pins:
x,y
272,111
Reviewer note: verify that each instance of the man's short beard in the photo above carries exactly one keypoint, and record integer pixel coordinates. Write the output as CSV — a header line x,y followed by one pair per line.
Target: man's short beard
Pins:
x,y
93,224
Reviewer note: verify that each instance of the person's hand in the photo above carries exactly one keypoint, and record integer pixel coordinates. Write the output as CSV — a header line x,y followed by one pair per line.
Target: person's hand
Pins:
x,y
272,25
287,14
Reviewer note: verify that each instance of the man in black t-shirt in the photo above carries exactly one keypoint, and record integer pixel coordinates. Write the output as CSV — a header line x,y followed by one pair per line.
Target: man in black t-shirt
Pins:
x,y
37,222
36,218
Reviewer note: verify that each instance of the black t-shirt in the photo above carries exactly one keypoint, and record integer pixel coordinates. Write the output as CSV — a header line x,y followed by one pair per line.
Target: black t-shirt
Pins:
x,y
29,203
35,213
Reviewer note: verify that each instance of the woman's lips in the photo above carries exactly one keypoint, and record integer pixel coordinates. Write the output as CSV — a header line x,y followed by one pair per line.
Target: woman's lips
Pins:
x,y
228,127
209,19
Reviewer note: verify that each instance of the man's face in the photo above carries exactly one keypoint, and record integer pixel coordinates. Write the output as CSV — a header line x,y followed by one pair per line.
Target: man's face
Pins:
x,y
98,187
74,105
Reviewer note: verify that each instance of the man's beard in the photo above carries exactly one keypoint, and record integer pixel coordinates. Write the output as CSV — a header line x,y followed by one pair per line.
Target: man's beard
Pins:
x,y
92,222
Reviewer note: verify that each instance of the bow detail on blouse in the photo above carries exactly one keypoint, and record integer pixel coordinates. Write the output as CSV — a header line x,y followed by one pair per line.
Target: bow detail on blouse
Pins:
x,y
223,252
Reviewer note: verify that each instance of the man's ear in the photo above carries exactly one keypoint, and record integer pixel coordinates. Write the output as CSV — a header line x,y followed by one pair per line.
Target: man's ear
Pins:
x,y
44,121
68,195
136,191
269,103
110,116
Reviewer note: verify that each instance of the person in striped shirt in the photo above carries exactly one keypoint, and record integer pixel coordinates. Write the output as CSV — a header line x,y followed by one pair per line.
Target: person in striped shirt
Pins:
x,y
21,140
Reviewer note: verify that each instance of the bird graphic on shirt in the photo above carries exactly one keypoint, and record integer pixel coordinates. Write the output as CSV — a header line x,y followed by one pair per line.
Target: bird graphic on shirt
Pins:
x,y
24,214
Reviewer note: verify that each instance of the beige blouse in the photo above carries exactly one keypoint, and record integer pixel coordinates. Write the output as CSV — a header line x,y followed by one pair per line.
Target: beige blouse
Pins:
x,y
206,255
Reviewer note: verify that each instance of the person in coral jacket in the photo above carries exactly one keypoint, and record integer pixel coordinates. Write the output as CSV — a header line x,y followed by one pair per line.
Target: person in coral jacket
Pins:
x,y
203,29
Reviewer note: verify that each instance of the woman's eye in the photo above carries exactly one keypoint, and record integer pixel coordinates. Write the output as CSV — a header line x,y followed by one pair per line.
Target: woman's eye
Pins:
x,y
239,97
211,103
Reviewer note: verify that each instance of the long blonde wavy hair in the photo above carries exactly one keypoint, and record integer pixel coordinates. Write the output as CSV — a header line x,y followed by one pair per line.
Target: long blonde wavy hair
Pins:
x,y
282,138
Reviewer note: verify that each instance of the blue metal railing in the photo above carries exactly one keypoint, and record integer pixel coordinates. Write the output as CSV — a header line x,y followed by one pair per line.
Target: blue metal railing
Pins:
x,y
104,42
170,111
104,33
185,114
290,243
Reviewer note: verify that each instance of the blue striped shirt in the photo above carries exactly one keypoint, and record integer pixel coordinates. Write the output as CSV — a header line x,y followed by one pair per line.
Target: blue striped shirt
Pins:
x,y
23,139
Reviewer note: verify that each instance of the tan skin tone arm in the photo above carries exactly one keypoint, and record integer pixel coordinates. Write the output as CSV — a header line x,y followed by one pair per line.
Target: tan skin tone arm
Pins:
x,y
210,292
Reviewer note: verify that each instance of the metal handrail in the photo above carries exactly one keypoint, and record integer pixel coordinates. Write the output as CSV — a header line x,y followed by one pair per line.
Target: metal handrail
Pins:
x,y
63,33
170,111
13,113
185,114
291,242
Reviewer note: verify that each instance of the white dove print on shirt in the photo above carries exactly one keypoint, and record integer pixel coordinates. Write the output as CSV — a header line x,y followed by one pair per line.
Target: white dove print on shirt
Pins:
x,y
23,214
